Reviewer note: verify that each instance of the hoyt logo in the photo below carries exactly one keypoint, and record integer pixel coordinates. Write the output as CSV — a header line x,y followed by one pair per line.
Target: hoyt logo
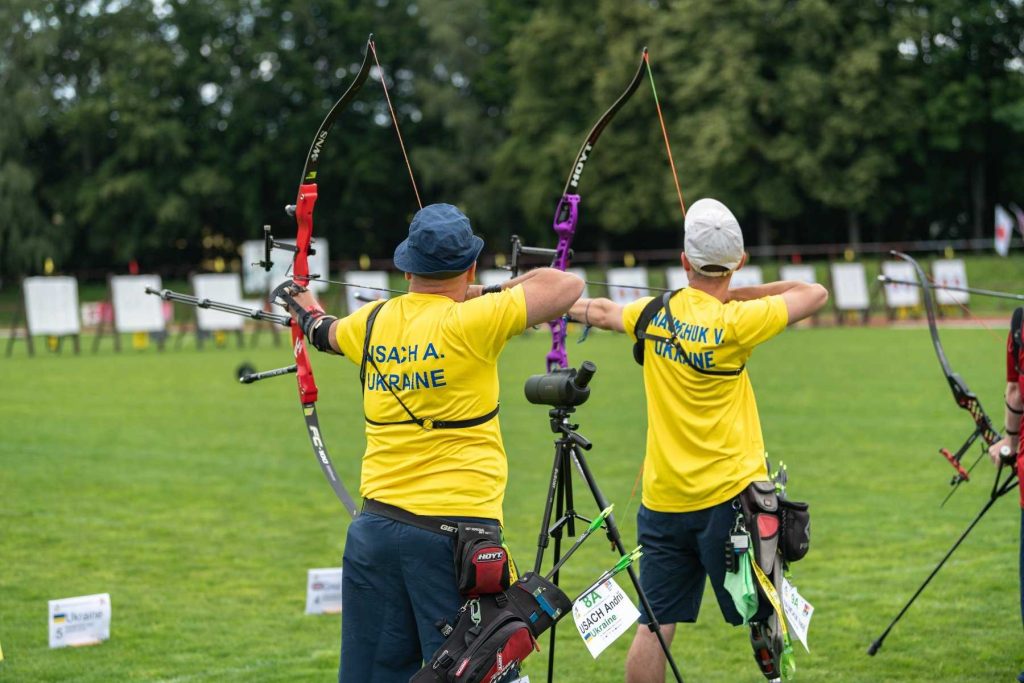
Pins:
x,y
578,171
493,556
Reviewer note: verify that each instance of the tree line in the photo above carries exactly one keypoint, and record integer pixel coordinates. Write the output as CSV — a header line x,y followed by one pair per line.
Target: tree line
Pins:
x,y
167,131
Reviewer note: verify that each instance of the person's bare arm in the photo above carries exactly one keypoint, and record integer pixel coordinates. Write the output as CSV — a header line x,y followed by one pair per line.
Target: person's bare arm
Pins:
x,y
602,313
1011,420
760,291
802,299
549,293
473,291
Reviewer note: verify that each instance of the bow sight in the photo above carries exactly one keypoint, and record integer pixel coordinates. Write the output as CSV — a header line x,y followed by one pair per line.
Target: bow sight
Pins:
x,y
269,244
518,250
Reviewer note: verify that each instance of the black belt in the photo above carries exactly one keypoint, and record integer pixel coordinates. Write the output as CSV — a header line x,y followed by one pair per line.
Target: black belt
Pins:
x,y
438,525
429,423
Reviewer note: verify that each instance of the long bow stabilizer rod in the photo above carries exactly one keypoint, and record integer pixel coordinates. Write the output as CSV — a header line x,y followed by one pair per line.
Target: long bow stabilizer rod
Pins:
x,y
886,280
245,312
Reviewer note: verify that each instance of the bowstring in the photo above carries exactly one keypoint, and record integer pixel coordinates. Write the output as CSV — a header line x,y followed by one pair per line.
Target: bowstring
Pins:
x,y
664,133
394,119
936,286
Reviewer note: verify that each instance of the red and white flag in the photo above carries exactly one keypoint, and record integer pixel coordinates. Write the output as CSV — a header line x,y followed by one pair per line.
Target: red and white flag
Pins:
x,y
1004,229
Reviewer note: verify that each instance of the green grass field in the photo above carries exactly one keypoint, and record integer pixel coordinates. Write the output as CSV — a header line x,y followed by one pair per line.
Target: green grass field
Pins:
x,y
197,504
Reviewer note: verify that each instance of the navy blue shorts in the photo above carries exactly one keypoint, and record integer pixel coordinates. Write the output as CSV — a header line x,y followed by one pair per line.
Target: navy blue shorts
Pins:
x,y
397,582
681,549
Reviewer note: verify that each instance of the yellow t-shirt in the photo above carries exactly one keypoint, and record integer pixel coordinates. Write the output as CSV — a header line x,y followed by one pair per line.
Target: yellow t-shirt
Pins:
x,y
704,442
441,358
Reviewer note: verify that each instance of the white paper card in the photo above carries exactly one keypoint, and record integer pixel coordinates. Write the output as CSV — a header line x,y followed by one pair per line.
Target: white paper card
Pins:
x,y
949,273
676,278
323,591
849,287
798,273
134,310
225,288
748,276
602,615
492,276
901,296
365,286
51,305
84,620
626,285
798,611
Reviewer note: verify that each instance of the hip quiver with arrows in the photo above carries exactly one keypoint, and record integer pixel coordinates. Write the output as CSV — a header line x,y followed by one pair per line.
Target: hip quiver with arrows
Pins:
x,y
494,633
777,525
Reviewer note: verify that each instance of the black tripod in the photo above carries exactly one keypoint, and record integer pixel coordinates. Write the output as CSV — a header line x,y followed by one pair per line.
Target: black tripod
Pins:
x,y
569,447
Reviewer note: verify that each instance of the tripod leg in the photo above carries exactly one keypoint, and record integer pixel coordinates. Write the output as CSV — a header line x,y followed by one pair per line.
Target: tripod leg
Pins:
x,y
563,503
616,538
554,491
877,644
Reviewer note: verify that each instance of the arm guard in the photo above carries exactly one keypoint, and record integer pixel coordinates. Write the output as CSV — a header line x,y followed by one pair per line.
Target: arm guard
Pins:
x,y
314,323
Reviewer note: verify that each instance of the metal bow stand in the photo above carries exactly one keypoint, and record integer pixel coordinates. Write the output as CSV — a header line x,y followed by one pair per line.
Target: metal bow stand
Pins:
x,y
569,447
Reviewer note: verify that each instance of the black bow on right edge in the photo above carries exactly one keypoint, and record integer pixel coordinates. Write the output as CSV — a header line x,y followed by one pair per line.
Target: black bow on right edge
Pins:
x,y
1006,475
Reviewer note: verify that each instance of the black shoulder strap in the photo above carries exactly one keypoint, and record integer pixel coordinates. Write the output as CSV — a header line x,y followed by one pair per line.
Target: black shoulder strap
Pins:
x,y
366,341
640,329
650,310
425,422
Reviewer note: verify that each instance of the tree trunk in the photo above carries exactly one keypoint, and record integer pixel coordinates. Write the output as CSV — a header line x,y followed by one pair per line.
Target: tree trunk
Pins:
x,y
764,232
604,252
853,228
978,202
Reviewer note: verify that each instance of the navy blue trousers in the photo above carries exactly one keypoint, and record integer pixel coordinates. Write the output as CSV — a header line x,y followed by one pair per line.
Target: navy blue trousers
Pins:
x,y
397,582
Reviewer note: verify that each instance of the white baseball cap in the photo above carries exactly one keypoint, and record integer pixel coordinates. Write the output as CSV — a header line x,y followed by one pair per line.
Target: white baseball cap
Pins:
x,y
713,238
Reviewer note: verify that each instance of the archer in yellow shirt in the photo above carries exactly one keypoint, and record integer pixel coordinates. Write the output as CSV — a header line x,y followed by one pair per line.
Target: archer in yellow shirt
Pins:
x,y
441,357
704,443
434,454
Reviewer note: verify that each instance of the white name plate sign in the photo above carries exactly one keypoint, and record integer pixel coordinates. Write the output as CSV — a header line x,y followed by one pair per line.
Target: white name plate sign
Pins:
x,y
84,620
323,591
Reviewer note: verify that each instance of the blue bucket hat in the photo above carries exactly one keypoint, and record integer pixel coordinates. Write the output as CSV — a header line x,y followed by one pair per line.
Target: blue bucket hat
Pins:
x,y
440,242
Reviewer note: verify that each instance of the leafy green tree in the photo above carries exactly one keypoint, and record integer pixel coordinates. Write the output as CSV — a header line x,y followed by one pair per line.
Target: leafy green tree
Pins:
x,y
27,231
968,58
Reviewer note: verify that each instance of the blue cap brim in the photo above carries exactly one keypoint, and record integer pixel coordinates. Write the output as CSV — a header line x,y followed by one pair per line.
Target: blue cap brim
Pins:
x,y
409,261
